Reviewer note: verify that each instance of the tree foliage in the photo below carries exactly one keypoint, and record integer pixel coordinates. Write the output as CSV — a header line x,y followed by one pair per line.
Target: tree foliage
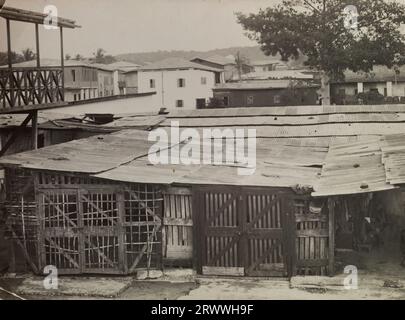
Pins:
x,y
101,57
15,58
318,29
240,61
28,54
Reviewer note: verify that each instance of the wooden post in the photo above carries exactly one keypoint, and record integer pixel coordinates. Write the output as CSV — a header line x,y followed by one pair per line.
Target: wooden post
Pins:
x,y
243,237
37,45
289,234
10,63
293,235
34,130
62,60
122,256
80,234
198,208
331,208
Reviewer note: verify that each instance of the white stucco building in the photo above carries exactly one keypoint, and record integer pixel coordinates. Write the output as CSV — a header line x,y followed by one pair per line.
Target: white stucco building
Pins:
x,y
388,83
178,83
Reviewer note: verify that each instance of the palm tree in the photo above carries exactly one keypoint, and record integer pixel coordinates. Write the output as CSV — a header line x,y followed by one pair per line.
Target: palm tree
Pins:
x,y
28,54
99,55
68,56
240,61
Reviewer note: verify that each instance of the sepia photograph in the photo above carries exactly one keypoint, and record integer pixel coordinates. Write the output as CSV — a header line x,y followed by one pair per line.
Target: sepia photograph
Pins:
x,y
200,157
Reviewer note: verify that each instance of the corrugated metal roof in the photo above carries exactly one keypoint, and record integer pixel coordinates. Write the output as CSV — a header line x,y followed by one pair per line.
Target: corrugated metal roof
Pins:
x,y
176,63
124,66
264,85
287,154
353,168
122,156
50,63
393,150
140,171
277,74
9,121
147,122
321,130
288,120
217,59
286,111
91,155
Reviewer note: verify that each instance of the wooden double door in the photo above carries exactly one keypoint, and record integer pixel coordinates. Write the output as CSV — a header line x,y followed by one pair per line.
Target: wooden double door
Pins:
x,y
244,231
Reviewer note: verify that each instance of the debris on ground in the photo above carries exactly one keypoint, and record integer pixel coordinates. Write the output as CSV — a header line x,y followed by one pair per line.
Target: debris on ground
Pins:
x,y
76,286
395,284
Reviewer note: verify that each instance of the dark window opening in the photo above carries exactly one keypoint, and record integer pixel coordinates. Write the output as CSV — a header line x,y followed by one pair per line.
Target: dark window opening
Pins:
x,y
179,103
152,83
41,140
181,83
200,103
217,77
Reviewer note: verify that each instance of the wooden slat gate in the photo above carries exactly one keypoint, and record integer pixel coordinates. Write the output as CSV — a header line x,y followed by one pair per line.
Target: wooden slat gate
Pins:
x,y
112,229
177,232
244,231
80,230
313,244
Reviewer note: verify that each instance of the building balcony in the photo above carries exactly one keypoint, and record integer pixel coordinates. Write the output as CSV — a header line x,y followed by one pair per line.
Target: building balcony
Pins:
x,y
30,88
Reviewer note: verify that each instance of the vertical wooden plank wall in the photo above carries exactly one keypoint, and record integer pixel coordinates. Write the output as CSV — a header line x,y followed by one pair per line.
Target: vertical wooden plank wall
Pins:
x,y
313,246
331,209
178,226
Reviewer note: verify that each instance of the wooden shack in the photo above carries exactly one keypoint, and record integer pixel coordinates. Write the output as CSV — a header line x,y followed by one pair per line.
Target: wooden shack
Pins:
x,y
98,205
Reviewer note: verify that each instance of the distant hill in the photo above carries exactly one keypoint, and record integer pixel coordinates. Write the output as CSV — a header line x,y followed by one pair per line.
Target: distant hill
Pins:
x,y
251,53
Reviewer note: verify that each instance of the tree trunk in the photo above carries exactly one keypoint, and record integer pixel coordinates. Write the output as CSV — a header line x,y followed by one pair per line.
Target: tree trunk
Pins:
x,y
324,91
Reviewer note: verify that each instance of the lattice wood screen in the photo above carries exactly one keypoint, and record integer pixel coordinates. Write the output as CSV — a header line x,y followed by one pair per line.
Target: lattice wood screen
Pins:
x,y
89,227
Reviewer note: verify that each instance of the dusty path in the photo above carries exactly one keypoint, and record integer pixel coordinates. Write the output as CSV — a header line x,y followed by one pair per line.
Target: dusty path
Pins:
x,y
371,286
280,290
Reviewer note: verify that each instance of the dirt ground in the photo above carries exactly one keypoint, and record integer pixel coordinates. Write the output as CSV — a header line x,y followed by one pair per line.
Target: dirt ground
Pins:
x,y
208,288
247,289
380,276
138,290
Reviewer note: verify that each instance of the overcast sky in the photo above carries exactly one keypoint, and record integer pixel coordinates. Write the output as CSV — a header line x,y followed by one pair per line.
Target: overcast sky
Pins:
x,y
123,26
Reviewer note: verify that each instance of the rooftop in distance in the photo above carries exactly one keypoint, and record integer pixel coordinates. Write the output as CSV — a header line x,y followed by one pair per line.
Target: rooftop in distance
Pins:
x,y
264,84
176,63
217,59
46,62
